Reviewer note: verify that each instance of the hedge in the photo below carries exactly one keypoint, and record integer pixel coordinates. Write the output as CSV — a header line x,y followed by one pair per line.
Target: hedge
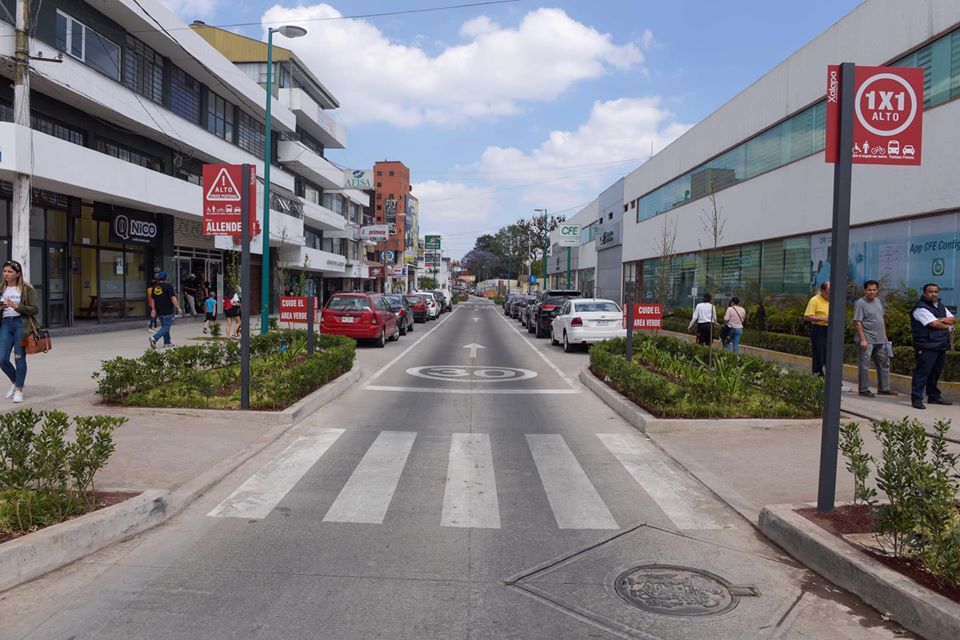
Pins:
x,y
208,375
902,361
676,379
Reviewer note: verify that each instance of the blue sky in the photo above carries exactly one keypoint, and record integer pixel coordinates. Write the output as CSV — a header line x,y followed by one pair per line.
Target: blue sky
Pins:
x,y
504,108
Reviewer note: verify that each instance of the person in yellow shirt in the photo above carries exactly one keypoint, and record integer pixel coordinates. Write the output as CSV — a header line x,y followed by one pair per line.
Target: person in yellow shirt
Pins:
x,y
817,312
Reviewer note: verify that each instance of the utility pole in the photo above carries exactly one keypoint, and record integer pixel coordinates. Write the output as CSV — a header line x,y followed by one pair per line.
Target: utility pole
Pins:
x,y
20,249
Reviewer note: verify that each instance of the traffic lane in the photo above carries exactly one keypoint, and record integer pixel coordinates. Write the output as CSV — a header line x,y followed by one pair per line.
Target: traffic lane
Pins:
x,y
476,351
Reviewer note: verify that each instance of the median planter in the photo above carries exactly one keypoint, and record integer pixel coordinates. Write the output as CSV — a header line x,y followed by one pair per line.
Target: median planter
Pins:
x,y
207,376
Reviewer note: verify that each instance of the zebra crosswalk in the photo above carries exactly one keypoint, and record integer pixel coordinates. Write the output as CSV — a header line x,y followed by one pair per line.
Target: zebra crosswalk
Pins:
x,y
470,493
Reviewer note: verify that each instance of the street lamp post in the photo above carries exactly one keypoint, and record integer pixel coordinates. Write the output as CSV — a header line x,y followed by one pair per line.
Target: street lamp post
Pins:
x,y
546,244
287,31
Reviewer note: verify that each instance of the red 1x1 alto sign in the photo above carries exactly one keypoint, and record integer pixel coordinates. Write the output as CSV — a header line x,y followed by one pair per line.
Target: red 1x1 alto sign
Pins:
x,y
222,200
888,115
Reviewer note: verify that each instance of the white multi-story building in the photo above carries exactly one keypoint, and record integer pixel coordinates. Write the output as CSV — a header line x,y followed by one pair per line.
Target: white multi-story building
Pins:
x,y
758,162
121,127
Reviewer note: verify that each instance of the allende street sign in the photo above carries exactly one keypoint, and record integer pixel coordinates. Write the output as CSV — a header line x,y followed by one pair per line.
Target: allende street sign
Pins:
x,y
888,115
569,235
222,204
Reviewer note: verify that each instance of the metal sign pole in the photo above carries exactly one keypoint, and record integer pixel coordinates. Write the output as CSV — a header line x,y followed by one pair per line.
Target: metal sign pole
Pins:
x,y
842,182
629,353
245,291
568,268
310,317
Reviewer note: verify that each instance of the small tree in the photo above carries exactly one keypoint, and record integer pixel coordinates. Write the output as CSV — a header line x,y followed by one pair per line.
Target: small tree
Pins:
x,y
665,245
713,222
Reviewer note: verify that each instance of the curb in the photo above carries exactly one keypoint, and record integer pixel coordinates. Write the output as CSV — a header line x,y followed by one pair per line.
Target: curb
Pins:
x,y
56,546
915,607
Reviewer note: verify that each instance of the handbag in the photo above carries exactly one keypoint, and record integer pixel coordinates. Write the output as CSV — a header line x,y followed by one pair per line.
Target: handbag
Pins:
x,y
37,341
724,332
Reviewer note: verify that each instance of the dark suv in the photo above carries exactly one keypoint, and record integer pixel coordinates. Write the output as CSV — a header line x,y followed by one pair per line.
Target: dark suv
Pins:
x,y
542,311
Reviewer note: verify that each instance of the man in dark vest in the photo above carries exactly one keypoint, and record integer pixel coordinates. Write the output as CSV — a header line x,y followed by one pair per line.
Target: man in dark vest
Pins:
x,y
931,323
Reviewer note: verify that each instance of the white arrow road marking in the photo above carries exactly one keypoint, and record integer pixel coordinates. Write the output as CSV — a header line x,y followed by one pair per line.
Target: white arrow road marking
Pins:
x,y
476,319
473,347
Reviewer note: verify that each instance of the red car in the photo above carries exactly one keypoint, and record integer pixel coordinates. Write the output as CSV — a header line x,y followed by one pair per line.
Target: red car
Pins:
x,y
361,316
418,305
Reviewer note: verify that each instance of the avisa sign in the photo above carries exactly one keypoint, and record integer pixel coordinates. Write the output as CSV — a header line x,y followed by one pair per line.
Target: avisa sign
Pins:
x,y
569,235
358,179
134,228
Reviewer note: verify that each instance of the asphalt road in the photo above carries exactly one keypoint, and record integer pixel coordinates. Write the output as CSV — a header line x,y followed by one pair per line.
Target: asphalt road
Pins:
x,y
468,487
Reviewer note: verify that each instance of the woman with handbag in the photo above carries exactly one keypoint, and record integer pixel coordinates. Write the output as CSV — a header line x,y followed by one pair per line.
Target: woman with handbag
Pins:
x,y
19,304
733,324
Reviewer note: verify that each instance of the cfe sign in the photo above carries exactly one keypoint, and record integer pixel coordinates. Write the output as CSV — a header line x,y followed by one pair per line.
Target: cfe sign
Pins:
x,y
222,201
888,115
569,235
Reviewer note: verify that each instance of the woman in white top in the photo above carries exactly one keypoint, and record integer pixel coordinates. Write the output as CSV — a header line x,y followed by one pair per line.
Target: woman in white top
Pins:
x,y
734,319
704,316
19,304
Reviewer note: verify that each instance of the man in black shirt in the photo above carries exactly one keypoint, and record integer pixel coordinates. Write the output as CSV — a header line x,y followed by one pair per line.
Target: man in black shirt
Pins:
x,y
163,305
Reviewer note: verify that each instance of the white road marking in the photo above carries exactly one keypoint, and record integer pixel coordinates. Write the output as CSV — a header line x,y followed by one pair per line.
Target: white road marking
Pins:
x,y
383,369
478,392
573,498
678,500
258,496
473,346
470,496
539,353
368,492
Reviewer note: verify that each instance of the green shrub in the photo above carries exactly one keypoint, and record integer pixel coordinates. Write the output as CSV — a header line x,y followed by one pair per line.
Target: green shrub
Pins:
x,y
216,330
44,478
207,375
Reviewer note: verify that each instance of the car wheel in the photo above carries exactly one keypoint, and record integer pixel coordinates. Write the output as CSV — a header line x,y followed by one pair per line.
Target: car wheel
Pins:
x,y
382,339
553,338
537,330
396,334
410,326
403,329
567,347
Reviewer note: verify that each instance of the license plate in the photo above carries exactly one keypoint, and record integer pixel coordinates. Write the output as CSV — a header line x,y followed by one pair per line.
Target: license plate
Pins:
x,y
347,319
601,323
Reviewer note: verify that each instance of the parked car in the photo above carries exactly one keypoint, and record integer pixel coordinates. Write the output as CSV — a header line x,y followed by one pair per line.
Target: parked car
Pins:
x,y
418,306
433,309
361,316
447,299
519,308
509,300
401,308
585,321
441,301
545,308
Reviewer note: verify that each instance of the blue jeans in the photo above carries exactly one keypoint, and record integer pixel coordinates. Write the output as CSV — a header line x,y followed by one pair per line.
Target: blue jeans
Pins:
x,y
11,333
165,323
733,343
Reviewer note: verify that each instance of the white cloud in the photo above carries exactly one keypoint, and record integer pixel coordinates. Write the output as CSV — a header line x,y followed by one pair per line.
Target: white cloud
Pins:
x,y
624,131
453,203
494,73
190,9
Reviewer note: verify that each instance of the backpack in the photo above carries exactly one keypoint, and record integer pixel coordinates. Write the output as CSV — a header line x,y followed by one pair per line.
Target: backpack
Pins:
x,y
228,304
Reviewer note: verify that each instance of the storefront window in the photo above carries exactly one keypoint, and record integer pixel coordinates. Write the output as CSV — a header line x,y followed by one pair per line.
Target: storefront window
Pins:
x,y
56,225
38,228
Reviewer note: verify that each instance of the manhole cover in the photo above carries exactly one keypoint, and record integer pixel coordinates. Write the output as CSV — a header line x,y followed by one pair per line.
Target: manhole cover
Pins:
x,y
679,591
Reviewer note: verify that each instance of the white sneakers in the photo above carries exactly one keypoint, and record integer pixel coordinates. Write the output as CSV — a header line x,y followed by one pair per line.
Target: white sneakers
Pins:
x,y
18,396
12,393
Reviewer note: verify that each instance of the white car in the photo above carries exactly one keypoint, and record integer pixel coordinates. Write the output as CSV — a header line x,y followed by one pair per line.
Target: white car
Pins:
x,y
587,320
433,309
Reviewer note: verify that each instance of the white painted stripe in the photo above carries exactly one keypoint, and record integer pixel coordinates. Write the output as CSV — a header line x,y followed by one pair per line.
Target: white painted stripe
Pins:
x,y
680,501
264,490
539,353
573,498
470,496
368,492
384,368
479,392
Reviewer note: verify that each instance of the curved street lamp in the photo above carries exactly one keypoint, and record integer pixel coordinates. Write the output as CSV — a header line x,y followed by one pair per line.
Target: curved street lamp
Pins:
x,y
287,31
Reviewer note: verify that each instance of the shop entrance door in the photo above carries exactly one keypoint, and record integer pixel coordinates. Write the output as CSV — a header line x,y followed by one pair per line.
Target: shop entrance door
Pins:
x,y
57,285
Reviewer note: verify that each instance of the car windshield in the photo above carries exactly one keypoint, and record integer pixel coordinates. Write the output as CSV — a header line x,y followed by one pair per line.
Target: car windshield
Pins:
x,y
556,300
414,299
349,303
597,305
395,300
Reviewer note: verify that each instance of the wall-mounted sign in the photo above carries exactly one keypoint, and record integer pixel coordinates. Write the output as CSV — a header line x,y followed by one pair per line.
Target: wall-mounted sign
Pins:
x,y
431,243
358,179
390,210
132,227
389,256
375,233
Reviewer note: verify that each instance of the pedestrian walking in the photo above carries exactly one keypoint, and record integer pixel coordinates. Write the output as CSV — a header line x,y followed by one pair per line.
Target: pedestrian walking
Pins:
x,y
931,324
154,324
163,305
816,313
704,316
871,329
190,294
733,320
231,309
210,309
19,304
